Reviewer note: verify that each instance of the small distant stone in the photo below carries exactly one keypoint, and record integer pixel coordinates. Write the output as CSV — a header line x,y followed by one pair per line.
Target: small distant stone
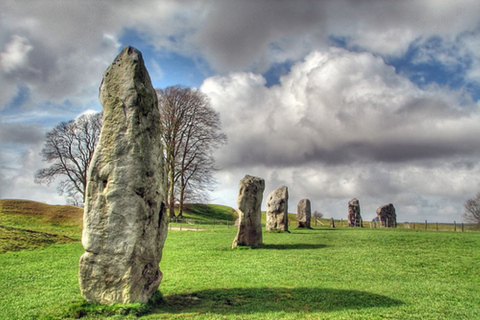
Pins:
x,y
332,223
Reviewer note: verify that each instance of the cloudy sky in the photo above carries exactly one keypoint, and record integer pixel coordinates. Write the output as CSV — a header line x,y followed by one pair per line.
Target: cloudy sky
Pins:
x,y
377,100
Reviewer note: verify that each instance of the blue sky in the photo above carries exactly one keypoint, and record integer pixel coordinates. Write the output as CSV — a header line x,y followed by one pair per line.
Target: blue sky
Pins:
x,y
334,99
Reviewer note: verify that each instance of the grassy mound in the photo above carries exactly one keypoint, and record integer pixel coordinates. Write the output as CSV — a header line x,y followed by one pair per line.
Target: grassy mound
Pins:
x,y
209,212
20,211
29,225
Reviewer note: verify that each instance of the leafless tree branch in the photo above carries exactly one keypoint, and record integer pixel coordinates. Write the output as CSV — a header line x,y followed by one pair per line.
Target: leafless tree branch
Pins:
x,y
69,148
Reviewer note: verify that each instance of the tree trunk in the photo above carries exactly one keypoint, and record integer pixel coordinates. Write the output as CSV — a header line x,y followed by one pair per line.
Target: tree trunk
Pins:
x,y
182,197
171,192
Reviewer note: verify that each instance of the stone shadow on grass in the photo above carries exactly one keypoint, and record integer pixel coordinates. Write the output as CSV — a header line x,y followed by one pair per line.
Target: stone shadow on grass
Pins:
x,y
257,300
291,246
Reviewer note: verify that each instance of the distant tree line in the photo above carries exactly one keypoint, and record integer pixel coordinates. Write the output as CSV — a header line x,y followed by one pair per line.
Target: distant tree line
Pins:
x,y
191,132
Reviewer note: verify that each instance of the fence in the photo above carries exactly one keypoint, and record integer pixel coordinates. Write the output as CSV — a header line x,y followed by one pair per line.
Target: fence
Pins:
x,y
428,226
197,224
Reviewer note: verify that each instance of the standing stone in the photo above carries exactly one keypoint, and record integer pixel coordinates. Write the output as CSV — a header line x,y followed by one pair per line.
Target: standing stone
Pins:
x,y
277,210
387,216
354,217
332,223
304,213
124,220
250,196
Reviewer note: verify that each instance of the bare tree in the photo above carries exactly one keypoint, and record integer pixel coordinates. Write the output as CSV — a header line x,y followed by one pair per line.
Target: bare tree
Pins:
x,y
69,149
191,132
317,214
472,209
198,181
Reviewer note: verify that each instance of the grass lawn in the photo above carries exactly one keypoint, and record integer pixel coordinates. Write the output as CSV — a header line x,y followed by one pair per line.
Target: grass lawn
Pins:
x,y
306,274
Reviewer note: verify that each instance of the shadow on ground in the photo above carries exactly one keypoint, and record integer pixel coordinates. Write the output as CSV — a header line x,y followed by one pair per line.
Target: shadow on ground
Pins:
x,y
255,300
291,246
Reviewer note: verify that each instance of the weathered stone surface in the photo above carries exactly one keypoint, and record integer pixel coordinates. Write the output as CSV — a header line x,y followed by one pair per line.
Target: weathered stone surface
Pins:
x,y
250,196
354,217
125,224
277,210
387,216
332,223
304,213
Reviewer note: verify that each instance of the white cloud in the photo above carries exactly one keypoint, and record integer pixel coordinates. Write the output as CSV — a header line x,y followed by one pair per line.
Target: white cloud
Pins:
x,y
343,125
471,45
15,55
17,170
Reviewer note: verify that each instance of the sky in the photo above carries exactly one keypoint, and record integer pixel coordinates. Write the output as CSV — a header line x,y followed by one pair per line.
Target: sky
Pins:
x,y
377,100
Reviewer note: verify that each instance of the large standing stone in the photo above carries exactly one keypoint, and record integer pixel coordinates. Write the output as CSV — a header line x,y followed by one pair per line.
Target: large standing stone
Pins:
x,y
387,216
354,217
304,213
277,210
250,195
125,224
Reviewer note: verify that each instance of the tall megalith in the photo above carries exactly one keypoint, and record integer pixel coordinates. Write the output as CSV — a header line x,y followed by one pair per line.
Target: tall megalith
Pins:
x,y
124,220
277,210
304,213
354,217
250,195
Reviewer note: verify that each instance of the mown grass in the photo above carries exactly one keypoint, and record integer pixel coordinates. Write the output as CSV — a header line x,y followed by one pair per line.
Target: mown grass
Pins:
x,y
306,274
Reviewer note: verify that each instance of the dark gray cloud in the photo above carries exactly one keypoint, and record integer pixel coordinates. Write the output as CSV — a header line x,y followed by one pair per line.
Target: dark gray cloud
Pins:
x,y
60,51
21,134
238,35
243,34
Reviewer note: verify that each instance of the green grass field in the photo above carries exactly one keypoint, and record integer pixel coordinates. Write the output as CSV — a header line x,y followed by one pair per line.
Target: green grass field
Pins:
x,y
323,273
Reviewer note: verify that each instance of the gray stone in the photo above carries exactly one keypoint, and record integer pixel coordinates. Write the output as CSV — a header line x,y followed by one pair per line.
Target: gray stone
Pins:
x,y
250,196
387,216
277,210
354,217
304,213
332,223
124,221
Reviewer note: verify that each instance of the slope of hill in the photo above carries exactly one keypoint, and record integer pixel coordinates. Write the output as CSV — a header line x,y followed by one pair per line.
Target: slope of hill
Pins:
x,y
209,212
28,224
47,214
